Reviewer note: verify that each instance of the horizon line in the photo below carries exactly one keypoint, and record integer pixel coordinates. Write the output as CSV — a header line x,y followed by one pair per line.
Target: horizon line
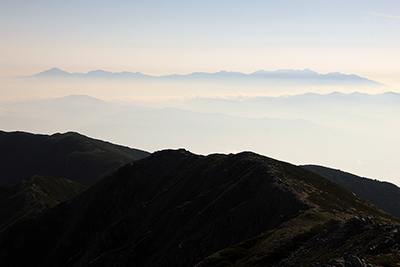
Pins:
x,y
188,73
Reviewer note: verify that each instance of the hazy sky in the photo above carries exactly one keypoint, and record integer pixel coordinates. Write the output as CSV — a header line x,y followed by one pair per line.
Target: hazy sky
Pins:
x,y
165,37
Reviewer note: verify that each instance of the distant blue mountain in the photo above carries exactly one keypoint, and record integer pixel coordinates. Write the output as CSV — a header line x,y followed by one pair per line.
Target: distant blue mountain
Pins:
x,y
282,75
54,72
57,73
288,73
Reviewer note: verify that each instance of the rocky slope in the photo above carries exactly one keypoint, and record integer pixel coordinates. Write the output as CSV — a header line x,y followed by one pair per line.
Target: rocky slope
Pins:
x,y
358,242
33,195
70,156
175,208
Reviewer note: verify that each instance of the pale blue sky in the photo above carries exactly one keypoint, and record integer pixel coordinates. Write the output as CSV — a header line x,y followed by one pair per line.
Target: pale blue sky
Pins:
x,y
164,37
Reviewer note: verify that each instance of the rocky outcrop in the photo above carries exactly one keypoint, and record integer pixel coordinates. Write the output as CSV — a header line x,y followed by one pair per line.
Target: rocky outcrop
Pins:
x,y
360,242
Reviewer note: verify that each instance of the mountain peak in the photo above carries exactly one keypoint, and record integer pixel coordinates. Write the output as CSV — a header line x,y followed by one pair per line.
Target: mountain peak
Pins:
x,y
99,73
72,156
53,72
286,71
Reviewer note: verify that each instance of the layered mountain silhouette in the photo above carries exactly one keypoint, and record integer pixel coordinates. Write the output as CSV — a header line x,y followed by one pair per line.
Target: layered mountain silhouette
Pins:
x,y
384,195
175,208
70,156
282,76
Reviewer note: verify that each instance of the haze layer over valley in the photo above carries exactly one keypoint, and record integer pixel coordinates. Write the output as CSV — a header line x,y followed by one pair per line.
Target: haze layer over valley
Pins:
x,y
265,112
138,86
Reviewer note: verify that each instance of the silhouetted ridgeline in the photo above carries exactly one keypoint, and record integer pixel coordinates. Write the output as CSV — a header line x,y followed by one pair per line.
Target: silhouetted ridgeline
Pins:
x,y
283,76
382,194
175,208
69,155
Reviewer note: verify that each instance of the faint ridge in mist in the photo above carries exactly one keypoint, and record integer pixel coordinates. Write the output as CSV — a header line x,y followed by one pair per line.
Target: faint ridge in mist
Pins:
x,y
356,132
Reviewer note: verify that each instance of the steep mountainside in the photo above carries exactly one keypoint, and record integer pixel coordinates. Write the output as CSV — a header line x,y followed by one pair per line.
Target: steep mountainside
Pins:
x,y
33,195
382,194
175,208
70,156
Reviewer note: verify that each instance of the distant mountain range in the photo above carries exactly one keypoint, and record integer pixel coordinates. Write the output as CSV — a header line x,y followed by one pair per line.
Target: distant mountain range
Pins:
x,y
284,75
56,72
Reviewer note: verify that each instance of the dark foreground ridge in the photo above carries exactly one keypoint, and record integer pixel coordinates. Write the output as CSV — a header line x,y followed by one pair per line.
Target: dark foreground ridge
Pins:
x,y
382,194
70,156
358,242
34,195
175,208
